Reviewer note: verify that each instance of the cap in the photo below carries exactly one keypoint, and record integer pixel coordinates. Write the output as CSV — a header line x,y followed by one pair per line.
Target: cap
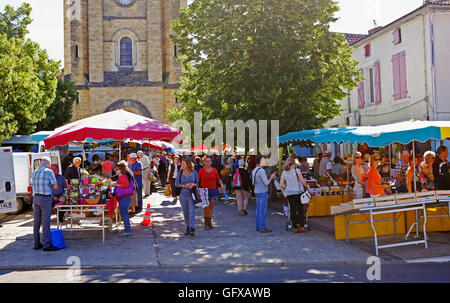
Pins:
x,y
133,155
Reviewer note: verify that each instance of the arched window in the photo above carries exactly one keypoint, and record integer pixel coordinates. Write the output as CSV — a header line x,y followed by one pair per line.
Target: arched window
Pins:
x,y
126,58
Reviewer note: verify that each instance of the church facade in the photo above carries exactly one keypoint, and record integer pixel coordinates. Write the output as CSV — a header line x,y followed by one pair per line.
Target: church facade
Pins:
x,y
120,55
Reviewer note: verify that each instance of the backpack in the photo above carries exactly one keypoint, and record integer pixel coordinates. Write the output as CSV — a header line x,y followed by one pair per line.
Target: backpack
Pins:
x,y
237,179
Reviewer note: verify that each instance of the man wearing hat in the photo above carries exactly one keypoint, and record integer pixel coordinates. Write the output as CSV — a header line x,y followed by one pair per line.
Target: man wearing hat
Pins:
x,y
145,162
325,164
136,168
43,183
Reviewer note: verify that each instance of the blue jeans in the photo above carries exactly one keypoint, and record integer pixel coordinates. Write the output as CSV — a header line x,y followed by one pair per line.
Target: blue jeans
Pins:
x,y
261,208
139,199
124,204
188,207
42,209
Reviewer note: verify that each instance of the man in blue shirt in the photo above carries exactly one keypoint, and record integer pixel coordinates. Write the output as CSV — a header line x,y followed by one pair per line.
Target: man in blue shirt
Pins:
x,y
57,194
136,167
43,182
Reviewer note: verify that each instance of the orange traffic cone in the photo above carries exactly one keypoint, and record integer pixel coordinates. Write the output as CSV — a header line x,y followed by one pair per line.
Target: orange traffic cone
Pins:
x,y
148,217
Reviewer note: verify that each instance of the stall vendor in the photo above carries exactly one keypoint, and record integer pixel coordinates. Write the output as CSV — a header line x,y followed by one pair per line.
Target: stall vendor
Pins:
x,y
58,193
441,170
73,171
325,164
400,172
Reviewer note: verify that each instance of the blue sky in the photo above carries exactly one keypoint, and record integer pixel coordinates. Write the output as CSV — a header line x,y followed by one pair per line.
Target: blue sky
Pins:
x,y
356,16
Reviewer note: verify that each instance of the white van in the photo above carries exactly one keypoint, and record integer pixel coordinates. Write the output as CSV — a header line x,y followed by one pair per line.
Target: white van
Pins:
x,y
19,168
8,201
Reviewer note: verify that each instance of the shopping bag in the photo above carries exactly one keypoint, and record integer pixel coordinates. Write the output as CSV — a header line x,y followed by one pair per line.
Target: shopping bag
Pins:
x,y
56,238
168,190
203,195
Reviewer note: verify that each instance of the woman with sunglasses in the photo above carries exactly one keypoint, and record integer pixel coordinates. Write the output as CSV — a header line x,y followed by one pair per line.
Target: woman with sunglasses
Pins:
x,y
360,176
374,186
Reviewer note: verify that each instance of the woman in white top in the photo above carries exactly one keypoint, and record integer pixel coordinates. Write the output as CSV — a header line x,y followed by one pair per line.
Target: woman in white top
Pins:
x,y
293,184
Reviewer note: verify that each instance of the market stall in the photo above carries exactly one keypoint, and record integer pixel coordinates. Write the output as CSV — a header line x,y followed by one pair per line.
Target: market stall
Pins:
x,y
91,195
376,218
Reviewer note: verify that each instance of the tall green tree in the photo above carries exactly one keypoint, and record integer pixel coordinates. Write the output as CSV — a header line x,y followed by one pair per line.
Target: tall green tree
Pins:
x,y
28,77
262,60
60,111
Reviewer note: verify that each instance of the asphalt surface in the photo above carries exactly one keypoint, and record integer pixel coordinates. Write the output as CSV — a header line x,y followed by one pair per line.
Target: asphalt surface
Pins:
x,y
389,273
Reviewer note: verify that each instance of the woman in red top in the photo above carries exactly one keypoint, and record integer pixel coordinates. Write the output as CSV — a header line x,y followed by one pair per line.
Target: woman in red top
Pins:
x,y
124,202
374,186
209,177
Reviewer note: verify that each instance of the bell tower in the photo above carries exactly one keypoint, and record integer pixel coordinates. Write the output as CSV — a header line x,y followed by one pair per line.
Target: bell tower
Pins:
x,y
119,52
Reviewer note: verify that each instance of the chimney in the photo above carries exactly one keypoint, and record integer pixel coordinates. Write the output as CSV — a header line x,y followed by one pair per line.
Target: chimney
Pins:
x,y
374,30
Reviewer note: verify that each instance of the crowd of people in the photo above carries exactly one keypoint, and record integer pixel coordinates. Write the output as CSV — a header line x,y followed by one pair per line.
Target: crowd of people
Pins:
x,y
374,175
134,178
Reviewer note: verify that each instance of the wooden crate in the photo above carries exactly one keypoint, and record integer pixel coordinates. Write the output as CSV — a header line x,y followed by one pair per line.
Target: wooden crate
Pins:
x,y
362,203
334,210
443,195
426,196
405,198
385,200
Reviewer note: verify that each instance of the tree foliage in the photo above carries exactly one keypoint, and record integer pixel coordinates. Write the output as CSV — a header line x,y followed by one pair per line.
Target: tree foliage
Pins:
x,y
60,111
14,23
263,60
28,77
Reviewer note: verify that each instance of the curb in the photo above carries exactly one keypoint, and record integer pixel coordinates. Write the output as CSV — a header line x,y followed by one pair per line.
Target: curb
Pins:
x,y
170,267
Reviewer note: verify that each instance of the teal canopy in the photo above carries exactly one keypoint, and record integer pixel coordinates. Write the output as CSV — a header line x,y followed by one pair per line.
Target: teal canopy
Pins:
x,y
374,136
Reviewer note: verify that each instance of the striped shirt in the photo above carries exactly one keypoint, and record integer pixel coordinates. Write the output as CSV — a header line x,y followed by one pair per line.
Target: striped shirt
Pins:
x,y
42,180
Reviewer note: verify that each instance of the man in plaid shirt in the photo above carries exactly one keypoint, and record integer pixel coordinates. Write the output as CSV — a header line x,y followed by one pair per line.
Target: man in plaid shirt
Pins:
x,y
400,173
43,182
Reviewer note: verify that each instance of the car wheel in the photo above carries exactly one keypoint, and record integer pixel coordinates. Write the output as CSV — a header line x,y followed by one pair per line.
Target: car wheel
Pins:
x,y
20,204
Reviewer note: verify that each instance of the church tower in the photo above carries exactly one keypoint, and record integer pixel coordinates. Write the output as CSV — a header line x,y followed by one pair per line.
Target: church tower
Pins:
x,y
119,54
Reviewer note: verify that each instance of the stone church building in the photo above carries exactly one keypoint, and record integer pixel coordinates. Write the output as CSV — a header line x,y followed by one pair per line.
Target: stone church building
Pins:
x,y
119,54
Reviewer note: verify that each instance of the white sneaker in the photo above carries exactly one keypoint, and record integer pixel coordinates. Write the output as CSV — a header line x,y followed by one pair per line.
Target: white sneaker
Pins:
x,y
124,234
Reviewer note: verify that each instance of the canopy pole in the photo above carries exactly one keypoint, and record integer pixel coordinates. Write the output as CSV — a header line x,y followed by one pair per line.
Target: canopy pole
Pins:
x,y
348,176
120,152
390,161
414,165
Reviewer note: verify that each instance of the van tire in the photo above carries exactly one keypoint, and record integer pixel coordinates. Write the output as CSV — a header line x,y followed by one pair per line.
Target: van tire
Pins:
x,y
20,205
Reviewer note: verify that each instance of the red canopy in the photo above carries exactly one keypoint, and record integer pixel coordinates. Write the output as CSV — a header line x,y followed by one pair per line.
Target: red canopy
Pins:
x,y
117,125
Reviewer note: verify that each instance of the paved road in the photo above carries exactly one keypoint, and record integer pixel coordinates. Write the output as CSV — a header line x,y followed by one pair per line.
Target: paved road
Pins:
x,y
389,273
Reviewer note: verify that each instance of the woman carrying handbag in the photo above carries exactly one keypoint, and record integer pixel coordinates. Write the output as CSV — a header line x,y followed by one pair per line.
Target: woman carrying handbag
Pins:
x,y
187,180
172,175
293,184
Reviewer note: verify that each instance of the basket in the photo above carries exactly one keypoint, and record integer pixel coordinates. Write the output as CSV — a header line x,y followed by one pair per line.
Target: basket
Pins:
x,y
92,201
